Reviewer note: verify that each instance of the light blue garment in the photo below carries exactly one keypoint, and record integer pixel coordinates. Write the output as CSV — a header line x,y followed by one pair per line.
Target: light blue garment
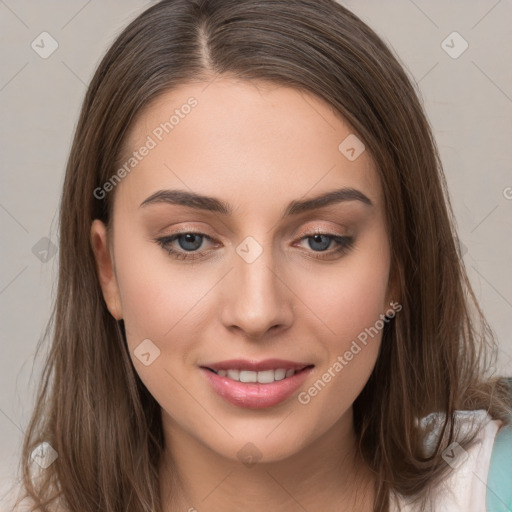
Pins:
x,y
499,482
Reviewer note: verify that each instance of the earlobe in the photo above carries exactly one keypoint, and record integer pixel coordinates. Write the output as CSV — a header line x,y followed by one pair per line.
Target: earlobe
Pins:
x,y
105,269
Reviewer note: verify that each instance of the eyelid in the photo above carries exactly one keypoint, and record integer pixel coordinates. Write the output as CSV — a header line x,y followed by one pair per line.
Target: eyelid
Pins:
x,y
165,243
342,245
322,230
317,230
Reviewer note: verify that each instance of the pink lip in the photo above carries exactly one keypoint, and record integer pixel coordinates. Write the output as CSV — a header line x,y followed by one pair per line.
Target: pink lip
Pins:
x,y
255,366
255,395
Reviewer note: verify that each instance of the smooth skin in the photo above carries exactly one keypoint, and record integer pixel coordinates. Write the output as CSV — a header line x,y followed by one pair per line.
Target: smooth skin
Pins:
x,y
256,146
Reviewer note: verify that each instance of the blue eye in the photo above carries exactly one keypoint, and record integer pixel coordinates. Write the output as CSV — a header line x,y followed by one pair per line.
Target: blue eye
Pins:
x,y
320,242
190,241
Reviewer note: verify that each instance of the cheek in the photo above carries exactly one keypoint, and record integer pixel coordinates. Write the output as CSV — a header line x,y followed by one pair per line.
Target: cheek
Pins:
x,y
349,304
161,301
349,297
351,349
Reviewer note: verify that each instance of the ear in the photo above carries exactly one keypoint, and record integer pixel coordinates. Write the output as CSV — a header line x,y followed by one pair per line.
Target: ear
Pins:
x,y
105,268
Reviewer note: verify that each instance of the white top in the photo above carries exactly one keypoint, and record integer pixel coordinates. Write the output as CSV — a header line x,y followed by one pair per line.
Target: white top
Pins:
x,y
463,490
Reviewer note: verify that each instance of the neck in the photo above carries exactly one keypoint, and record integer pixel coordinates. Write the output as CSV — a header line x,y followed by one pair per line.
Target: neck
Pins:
x,y
327,475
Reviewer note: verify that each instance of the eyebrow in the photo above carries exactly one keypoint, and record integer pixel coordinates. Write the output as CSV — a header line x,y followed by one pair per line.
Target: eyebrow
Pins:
x,y
212,204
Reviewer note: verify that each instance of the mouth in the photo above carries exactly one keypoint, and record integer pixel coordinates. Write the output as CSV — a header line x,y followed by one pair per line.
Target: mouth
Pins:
x,y
261,377
256,385
262,372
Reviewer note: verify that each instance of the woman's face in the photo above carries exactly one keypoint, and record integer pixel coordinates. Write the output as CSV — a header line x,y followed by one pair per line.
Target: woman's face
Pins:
x,y
254,268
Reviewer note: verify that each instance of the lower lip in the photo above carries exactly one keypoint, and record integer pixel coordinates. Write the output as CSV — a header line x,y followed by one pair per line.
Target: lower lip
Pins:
x,y
254,395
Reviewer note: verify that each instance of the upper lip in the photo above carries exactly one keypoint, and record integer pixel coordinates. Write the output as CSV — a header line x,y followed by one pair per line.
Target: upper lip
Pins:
x,y
255,366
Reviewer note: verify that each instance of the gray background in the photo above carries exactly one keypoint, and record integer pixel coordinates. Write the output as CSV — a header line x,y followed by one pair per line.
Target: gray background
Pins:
x,y
467,99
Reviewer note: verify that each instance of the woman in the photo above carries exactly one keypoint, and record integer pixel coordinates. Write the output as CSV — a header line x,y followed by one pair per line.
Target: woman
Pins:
x,y
261,302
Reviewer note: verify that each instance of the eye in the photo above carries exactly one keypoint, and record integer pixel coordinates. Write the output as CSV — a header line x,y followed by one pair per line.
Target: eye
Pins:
x,y
320,243
189,243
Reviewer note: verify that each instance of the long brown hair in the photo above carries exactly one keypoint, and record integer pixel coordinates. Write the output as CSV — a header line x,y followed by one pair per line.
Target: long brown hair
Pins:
x,y
93,409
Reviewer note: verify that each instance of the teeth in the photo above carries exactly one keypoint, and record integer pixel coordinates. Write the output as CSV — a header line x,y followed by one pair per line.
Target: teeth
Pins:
x,y
247,376
234,374
280,374
262,377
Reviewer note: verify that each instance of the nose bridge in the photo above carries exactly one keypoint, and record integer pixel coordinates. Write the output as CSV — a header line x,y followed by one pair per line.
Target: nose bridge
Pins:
x,y
257,299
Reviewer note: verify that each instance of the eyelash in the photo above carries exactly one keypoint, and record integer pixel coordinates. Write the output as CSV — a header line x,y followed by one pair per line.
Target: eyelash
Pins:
x,y
345,243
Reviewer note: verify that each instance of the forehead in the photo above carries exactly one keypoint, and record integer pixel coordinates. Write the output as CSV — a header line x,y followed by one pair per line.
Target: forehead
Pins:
x,y
246,141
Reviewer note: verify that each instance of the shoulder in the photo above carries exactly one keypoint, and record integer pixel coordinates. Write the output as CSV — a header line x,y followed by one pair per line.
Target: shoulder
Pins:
x,y
499,481
464,488
465,423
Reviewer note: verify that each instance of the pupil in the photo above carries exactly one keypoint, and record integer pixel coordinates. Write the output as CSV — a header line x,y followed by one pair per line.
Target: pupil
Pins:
x,y
188,238
317,239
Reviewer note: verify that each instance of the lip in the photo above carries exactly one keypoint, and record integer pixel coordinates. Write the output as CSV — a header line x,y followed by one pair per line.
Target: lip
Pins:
x,y
256,366
255,395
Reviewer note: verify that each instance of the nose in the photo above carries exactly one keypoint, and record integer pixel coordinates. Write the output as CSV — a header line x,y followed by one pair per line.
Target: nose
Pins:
x,y
256,297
